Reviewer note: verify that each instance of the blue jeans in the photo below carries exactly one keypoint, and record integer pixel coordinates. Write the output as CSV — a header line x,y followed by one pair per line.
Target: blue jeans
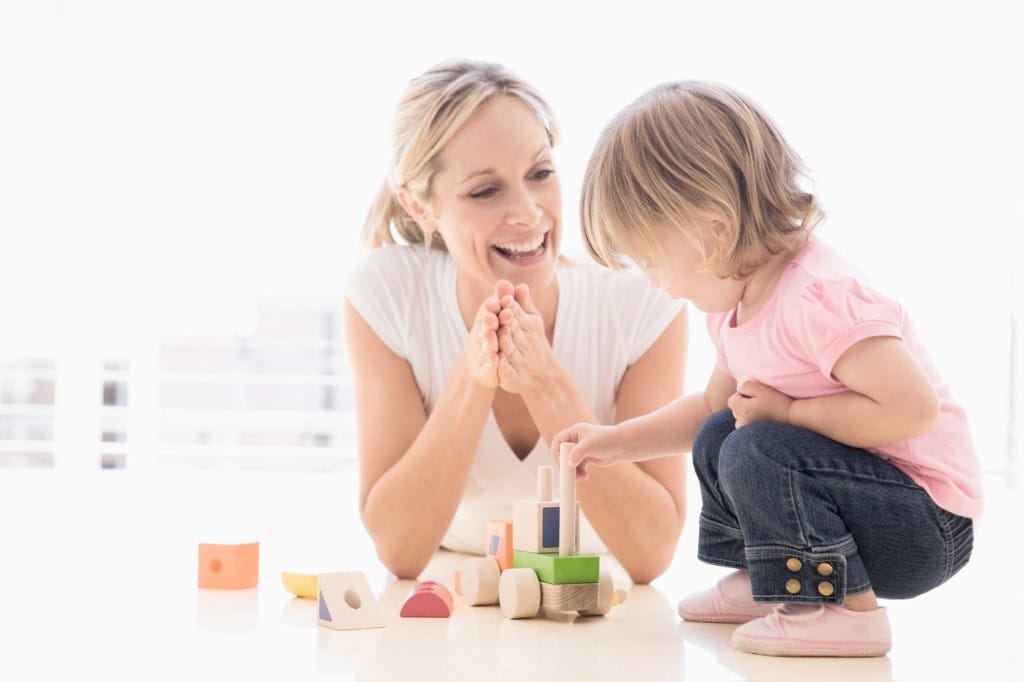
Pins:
x,y
814,520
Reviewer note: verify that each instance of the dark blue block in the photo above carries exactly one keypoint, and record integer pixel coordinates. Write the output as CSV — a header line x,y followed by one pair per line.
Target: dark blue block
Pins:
x,y
549,527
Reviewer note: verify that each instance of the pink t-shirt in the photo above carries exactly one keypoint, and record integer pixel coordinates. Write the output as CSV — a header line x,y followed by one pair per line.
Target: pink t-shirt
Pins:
x,y
821,307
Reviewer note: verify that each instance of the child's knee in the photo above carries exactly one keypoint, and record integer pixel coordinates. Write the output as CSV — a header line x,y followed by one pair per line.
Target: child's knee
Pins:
x,y
711,435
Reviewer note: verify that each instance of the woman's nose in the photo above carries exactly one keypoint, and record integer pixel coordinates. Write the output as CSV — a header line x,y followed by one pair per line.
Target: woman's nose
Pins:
x,y
523,208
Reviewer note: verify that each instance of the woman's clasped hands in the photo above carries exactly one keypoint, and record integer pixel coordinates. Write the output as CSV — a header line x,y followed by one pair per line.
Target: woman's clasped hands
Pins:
x,y
508,346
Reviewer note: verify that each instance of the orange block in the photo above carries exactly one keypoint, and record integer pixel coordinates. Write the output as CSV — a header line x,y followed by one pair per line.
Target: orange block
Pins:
x,y
229,567
499,542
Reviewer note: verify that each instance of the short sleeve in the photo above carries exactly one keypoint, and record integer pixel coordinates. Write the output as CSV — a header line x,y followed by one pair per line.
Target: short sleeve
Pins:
x,y
831,315
714,322
376,289
644,314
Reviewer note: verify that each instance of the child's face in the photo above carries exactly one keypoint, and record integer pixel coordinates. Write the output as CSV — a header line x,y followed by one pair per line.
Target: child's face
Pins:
x,y
678,272
496,198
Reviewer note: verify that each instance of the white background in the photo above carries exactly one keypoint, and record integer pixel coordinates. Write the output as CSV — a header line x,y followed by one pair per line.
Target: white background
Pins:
x,y
161,160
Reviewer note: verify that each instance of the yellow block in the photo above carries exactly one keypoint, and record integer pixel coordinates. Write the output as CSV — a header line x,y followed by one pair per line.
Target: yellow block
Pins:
x,y
300,584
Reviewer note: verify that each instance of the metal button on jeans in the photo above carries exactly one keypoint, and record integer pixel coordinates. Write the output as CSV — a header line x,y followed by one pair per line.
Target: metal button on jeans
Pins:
x,y
794,564
792,586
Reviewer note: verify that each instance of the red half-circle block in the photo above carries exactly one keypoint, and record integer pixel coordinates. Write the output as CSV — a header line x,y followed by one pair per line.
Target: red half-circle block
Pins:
x,y
428,599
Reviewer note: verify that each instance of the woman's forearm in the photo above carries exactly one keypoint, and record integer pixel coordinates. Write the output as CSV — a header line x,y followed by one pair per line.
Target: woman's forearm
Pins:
x,y
411,506
643,534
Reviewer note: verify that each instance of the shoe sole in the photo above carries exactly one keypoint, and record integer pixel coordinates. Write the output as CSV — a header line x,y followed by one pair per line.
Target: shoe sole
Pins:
x,y
791,648
719,618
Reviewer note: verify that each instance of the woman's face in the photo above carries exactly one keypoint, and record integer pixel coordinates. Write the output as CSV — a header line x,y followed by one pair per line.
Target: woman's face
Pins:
x,y
496,199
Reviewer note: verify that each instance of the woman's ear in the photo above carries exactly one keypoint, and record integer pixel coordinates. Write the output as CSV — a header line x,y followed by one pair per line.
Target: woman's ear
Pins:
x,y
418,211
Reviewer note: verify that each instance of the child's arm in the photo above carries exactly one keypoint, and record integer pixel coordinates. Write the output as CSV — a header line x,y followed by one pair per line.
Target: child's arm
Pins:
x,y
890,398
667,431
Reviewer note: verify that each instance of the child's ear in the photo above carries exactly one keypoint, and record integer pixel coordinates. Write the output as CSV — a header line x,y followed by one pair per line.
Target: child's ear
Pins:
x,y
419,212
718,222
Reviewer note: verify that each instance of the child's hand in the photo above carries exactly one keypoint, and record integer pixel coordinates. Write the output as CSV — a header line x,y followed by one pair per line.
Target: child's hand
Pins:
x,y
755,402
595,445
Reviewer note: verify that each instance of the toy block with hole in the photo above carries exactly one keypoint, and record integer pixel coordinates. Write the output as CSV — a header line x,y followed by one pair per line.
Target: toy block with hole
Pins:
x,y
499,542
346,602
300,584
428,599
229,567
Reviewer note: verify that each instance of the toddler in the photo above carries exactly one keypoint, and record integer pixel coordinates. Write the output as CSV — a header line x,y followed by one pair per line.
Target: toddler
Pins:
x,y
834,466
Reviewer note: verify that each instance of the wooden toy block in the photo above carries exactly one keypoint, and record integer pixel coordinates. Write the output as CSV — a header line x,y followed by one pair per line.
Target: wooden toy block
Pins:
x,y
458,582
567,537
346,602
520,593
560,570
545,483
300,584
580,597
499,542
480,581
535,526
428,599
605,597
229,567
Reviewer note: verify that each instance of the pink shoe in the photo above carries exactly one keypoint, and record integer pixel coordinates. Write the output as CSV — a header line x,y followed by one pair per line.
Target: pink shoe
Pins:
x,y
729,601
816,630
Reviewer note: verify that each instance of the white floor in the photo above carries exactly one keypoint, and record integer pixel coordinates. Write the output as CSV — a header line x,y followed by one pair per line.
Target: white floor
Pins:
x,y
98,582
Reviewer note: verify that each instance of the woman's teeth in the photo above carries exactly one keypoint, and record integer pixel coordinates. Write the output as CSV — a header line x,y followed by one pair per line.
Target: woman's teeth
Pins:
x,y
522,248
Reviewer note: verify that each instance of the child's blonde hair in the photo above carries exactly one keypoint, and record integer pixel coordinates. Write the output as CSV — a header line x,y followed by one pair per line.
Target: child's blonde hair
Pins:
x,y
687,147
432,109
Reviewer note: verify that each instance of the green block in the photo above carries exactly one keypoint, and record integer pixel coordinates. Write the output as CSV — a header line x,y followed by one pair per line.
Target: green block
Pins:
x,y
559,570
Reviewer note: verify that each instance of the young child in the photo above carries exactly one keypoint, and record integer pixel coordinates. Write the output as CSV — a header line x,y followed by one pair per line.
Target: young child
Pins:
x,y
834,466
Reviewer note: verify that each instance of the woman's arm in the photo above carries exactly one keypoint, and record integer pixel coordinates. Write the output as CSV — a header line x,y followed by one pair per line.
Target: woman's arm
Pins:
x,y
413,469
889,399
656,490
638,508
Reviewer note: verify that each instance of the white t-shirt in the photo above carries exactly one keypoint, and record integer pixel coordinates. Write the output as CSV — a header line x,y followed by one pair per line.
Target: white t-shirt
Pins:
x,y
606,321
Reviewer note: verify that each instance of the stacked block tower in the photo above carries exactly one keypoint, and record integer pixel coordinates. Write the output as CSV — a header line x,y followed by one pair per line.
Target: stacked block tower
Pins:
x,y
543,569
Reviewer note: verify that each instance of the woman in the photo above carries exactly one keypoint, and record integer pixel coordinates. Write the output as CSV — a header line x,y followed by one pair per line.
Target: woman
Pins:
x,y
471,344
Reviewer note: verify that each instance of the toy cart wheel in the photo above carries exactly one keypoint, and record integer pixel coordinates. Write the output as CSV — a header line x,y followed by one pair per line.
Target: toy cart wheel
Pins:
x,y
480,581
519,593
605,595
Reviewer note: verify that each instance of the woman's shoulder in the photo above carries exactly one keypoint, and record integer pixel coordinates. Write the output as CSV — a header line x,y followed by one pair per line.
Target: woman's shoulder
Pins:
x,y
398,265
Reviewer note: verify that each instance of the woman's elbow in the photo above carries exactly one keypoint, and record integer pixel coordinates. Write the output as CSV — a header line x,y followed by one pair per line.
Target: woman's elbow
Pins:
x,y
649,569
654,562
401,562
395,553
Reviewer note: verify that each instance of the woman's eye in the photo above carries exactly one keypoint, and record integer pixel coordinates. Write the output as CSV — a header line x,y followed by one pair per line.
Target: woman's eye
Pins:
x,y
543,174
483,193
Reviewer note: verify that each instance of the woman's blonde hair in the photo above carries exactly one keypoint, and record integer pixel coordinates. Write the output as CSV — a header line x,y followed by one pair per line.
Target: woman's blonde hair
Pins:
x,y
687,147
432,109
